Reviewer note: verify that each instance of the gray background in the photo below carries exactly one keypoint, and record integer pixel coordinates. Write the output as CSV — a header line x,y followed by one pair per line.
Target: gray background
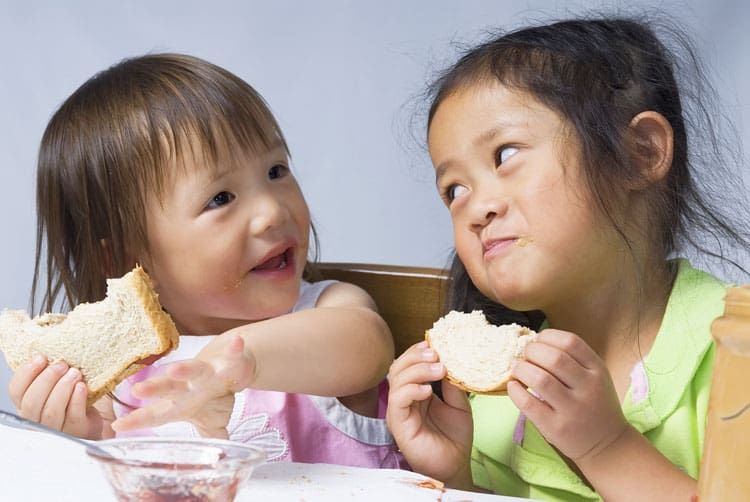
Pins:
x,y
341,77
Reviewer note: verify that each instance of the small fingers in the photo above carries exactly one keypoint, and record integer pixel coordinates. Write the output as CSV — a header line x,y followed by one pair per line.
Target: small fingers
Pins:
x,y
543,383
555,361
75,418
153,415
35,396
419,373
454,396
418,364
235,346
571,344
401,400
413,354
55,408
534,408
23,377
160,387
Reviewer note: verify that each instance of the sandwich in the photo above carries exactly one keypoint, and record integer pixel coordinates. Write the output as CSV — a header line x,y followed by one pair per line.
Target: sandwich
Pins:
x,y
477,355
106,340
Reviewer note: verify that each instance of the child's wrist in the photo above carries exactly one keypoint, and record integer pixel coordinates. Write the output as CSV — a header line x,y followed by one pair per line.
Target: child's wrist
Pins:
x,y
598,455
462,480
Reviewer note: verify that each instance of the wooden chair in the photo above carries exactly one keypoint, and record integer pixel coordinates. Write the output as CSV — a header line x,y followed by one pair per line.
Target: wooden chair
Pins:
x,y
410,299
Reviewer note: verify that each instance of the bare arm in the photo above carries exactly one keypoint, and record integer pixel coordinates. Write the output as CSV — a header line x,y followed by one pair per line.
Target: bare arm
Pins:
x,y
576,408
339,348
631,468
310,351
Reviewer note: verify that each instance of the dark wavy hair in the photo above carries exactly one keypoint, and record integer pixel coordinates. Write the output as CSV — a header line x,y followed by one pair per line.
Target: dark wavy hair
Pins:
x,y
597,74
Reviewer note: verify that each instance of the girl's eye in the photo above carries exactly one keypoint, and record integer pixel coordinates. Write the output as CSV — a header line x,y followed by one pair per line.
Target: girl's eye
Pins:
x,y
277,171
504,153
221,199
453,192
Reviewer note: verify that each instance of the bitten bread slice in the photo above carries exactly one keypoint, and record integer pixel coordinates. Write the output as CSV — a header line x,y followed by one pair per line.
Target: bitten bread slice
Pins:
x,y
477,354
104,340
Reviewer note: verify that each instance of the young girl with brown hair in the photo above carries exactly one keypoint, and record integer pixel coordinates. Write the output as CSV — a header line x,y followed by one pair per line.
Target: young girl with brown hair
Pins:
x,y
173,163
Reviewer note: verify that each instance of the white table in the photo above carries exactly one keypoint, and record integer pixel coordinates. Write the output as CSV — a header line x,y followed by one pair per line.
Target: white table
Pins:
x,y
39,467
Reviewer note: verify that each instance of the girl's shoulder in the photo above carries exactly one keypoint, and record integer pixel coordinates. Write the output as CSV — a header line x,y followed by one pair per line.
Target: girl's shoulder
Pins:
x,y
331,293
310,292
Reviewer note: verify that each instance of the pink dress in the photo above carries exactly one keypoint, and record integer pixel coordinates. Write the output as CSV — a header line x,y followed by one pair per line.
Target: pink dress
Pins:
x,y
289,427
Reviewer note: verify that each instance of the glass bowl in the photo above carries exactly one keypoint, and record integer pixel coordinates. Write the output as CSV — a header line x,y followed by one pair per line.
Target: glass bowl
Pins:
x,y
176,470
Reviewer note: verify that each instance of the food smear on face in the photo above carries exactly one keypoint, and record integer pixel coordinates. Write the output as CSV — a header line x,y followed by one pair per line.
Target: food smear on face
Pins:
x,y
523,241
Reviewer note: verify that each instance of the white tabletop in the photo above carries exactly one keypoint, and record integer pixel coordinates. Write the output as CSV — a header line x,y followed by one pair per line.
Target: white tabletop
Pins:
x,y
36,466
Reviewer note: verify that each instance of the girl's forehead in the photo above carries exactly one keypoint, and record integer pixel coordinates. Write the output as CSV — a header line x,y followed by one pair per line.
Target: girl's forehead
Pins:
x,y
497,94
485,109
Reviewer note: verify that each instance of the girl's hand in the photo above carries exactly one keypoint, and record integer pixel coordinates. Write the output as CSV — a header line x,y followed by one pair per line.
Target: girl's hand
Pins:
x,y
572,401
54,395
200,391
434,435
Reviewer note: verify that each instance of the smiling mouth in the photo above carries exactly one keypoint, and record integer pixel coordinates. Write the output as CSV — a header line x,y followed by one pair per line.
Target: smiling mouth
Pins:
x,y
278,262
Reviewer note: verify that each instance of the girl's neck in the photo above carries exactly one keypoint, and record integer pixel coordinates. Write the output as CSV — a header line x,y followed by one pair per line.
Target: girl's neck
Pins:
x,y
618,316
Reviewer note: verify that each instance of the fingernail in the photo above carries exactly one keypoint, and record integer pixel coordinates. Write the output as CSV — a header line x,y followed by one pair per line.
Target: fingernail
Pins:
x,y
60,367
436,368
71,374
38,360
428,354
422,344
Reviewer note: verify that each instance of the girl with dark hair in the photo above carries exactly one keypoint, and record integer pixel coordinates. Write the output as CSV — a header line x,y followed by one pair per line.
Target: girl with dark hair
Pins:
x,y
174,163
561,152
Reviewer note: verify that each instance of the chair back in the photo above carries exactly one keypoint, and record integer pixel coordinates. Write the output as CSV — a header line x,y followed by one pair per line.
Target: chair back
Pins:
x,y
410,299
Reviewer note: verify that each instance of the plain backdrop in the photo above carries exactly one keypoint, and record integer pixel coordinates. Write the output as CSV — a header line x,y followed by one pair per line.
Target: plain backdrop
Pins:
x,y
342,77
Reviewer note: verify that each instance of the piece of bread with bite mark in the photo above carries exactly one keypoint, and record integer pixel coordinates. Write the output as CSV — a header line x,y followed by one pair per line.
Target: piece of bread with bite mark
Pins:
x,y
477,355
106,340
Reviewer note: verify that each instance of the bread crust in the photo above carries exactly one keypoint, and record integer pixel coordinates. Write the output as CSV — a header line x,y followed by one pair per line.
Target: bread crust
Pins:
x,y
159,340
164,328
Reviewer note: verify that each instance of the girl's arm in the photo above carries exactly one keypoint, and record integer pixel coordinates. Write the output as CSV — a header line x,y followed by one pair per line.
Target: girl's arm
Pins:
x,y
576,408
339,348
434,435
631,468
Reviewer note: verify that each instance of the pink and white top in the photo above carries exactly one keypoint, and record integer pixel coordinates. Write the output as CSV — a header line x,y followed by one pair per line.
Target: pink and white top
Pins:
x,y
289,427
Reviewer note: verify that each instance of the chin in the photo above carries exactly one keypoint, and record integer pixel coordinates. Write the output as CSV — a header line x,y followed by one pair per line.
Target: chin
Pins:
x,y
513,299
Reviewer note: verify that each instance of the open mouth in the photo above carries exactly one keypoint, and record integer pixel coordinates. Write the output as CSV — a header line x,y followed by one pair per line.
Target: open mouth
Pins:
x,y
276,262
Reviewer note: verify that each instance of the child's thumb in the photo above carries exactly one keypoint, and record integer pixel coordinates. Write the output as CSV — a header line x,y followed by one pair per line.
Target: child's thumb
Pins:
x,y
454,396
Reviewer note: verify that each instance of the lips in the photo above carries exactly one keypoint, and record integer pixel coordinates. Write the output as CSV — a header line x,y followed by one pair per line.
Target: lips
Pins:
x,y
276,261
489,245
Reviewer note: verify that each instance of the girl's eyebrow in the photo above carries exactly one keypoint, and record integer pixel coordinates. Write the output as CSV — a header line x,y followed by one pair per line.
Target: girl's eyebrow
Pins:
x,y
482,139
490,134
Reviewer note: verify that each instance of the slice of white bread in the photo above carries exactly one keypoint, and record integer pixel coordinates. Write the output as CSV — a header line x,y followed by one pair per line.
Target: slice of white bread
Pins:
x,y
476,354
104,339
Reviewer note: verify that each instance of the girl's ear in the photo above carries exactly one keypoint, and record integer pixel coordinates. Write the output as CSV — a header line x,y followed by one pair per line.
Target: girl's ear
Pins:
x,y
651,140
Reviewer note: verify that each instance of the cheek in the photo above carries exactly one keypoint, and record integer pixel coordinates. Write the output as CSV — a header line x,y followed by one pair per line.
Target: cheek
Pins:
x,y
469,250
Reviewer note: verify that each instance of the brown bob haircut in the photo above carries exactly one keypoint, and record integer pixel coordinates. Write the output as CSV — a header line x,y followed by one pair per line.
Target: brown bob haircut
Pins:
x,y
113,144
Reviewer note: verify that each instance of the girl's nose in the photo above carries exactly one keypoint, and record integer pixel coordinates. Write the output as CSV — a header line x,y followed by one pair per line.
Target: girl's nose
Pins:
x,y
485,205
268,212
